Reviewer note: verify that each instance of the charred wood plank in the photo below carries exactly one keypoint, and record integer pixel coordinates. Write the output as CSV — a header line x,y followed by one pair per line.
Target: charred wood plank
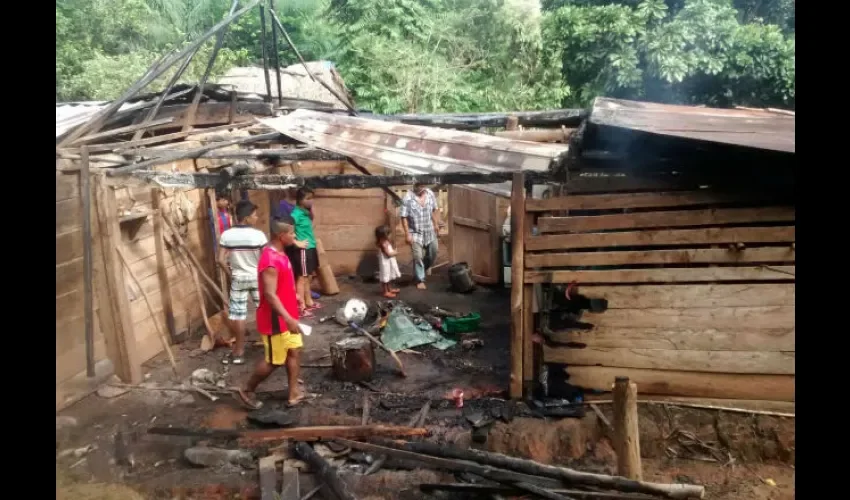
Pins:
x,y
300,433
474,121
327,473
281,155
272,182
189,153
571,476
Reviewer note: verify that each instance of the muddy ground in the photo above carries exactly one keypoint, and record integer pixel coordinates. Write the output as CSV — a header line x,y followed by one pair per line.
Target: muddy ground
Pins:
x,y
734,456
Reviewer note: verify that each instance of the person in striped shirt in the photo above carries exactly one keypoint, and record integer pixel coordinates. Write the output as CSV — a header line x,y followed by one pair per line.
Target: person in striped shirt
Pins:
x,y
238,255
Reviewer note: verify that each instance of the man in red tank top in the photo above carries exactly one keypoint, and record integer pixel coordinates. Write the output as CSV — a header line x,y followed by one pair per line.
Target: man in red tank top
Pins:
x,y
277,315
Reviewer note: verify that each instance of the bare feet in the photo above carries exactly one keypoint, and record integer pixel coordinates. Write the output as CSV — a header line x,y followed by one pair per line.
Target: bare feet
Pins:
x,y
296,395
395,290
248,399
389,295
421,286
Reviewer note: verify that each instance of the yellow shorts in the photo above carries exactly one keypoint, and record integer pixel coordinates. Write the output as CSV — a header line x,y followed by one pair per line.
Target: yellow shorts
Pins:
x,y
278,345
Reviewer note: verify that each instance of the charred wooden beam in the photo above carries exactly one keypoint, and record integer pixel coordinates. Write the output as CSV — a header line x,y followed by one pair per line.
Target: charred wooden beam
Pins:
x,y
474,121
272,182
189,153
285,154
326,472
152,74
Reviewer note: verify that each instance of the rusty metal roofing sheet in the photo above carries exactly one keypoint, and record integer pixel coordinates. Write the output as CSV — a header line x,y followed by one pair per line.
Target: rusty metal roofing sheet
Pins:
x,y
755,128
415,149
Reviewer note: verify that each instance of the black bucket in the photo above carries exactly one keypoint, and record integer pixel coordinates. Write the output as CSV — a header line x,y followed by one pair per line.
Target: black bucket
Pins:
x,y
460,278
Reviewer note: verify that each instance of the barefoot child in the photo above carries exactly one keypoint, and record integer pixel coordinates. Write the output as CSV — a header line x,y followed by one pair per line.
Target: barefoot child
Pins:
x,y
303,255
277,316
387,264
238,254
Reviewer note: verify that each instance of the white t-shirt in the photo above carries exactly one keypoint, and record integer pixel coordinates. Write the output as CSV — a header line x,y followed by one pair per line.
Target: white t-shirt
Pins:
x,y
244,244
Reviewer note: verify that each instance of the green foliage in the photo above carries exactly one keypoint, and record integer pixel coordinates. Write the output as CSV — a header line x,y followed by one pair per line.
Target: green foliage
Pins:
x,y
458,55
699,54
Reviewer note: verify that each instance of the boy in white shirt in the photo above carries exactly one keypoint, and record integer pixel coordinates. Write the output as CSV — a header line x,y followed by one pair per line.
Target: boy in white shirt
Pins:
x,y
239,253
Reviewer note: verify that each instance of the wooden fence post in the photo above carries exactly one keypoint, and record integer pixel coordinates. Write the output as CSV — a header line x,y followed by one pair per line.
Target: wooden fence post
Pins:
x,y
517,282
626,432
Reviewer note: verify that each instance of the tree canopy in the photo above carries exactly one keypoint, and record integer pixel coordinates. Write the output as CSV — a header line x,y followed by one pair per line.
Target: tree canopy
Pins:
x,y
459,55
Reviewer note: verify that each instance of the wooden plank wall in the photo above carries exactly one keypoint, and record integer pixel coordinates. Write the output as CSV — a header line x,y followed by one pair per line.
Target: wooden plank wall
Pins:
x,y
475,223
345,219
700,290
139,247
70,326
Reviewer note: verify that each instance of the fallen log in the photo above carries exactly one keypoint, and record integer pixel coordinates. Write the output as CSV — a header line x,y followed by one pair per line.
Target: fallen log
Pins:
x,y
455,465
571,476
296,433
417,420
481,489
324,470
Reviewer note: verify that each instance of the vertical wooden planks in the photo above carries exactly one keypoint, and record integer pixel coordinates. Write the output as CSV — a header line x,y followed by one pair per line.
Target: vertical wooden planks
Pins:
x,y
118,331
88,303
161,271
517,280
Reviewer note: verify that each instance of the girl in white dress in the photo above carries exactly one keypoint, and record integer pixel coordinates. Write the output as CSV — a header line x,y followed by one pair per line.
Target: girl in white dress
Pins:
x,y
387,265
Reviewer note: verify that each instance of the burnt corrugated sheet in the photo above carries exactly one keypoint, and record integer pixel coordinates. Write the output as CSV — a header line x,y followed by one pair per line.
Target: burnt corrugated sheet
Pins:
x,y
751,128
415,149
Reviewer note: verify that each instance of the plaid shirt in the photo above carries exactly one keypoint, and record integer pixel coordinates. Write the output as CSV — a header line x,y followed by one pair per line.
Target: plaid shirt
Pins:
x,y
418,217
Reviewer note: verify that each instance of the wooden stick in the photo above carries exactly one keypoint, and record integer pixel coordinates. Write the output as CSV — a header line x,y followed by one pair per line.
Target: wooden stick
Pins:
x,y
194,261
530,468
324,470
382,346
517,278
296,433
122,130
189,153
705,407
321,81
263,49
367,405
159,330
507,490
164,95
417,420
275,54
627,435
196,99
602,417
152,74
452,465
161,271
88,300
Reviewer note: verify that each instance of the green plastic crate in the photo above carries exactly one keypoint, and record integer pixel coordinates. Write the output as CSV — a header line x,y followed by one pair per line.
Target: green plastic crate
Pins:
x,y
464,324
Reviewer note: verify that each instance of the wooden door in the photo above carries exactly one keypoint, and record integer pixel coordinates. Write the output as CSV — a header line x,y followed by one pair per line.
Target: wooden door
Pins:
x,y
474,232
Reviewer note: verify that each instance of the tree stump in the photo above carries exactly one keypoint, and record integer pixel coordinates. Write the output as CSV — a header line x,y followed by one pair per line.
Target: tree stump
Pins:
x,y
353,359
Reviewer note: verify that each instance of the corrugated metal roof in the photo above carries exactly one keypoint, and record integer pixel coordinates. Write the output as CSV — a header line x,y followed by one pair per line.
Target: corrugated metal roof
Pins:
x,y
294,82
71,114
414,149
761,129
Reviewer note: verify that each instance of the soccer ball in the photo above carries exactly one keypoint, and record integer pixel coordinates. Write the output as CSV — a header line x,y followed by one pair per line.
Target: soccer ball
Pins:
x,y
354,310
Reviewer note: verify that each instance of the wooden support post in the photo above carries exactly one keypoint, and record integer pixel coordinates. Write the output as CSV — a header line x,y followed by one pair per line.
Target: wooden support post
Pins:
x,y
275,54
119,336
627,440
264,47
511,123
161,272
216,234
528,366
88,303
517,279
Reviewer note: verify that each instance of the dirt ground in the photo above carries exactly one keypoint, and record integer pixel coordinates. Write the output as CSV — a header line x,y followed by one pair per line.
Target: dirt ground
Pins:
x,y
93,463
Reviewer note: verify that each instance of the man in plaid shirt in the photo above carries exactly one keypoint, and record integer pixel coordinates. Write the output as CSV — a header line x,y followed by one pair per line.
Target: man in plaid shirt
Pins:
x,y
420,218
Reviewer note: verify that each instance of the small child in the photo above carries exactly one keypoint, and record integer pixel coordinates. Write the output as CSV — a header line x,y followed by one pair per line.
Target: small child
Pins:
x,y
387,264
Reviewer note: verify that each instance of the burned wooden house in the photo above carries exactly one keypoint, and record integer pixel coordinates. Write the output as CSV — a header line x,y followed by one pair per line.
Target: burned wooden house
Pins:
x,y
665,254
